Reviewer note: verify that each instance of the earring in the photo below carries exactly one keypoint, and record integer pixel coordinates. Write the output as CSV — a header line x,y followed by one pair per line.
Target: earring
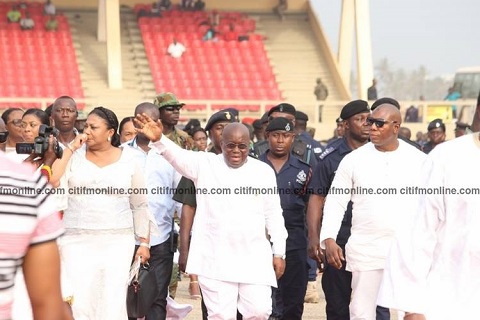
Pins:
x,y
109,139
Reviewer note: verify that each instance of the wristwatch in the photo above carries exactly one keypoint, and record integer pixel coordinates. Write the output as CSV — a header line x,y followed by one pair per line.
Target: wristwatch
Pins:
x,y
279,256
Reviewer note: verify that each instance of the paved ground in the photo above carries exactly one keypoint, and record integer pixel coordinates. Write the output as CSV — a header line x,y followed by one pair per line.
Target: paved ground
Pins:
x,y
313,311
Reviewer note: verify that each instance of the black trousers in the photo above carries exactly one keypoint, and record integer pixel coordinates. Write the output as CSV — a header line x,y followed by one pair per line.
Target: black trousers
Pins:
x,y
161,259
288,298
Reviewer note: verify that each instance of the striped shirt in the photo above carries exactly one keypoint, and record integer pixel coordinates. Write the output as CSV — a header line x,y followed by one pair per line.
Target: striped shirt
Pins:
x,y
27,217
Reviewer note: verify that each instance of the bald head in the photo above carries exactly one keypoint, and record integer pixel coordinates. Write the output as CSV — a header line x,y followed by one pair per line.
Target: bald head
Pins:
x,y
149,109
236,129
387,112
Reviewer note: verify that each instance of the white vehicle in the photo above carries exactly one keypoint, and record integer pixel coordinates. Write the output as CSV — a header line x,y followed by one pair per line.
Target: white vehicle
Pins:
x,y
467,82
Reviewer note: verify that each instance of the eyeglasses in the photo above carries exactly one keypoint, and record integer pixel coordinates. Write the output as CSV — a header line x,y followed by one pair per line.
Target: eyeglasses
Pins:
x,y
172,108
241,146
65,110
379,123
31,124
16,122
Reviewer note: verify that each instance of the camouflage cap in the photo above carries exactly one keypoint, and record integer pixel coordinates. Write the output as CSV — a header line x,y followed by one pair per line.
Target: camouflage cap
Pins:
x,y
167,99
82,115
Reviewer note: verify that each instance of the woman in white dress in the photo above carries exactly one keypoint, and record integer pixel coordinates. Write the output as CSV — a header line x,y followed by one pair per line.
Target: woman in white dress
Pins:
x,y
107,210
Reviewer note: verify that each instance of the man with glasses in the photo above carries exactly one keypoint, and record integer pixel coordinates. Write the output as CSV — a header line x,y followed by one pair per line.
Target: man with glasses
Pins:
x,y
169,107
293,180
372,177
235,262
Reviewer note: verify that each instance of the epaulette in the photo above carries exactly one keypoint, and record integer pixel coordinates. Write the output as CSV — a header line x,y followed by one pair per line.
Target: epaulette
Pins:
x,y
327,152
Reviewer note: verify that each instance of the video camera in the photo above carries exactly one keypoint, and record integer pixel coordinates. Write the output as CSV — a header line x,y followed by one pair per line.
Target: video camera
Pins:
x,y
40,144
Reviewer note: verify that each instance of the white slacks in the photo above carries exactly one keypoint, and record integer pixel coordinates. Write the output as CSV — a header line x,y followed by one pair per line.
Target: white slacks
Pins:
x,y
365,287
222,299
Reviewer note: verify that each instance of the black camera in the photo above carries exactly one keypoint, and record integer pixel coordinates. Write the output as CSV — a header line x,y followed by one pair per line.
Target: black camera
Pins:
x,y
40,144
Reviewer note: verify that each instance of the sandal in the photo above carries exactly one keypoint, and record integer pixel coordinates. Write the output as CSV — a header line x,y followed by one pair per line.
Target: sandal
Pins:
x,y
194,290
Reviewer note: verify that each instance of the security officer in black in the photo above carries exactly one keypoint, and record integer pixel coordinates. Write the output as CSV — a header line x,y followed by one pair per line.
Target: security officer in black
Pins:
x,y
436,134
293,179
336,283
300,148
301,119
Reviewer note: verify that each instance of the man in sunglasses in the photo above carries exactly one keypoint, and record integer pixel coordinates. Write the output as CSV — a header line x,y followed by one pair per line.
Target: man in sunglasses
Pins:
x,y
336,283
235,262
372,177
169,107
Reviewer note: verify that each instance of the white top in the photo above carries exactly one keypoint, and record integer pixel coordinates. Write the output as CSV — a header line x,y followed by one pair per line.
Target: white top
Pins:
x,y
49,8
161,179
111,198
377,215
229,240
434,266
176,50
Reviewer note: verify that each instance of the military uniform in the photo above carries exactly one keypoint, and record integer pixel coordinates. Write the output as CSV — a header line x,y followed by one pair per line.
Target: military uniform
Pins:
x,y
181,138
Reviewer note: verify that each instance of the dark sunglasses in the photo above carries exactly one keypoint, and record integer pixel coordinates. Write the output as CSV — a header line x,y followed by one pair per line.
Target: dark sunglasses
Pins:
x,y
3,136
172,108
379,123
241,146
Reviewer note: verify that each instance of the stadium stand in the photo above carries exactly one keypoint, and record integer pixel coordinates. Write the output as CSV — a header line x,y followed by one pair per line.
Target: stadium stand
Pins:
x,y
214,70
37,63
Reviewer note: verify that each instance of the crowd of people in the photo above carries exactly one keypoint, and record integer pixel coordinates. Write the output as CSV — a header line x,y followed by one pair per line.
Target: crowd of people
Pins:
x,y
19,13
261,208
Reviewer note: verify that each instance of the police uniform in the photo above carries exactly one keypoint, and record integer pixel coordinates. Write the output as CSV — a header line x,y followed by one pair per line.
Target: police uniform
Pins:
x,y
437,123
293,181
335,283
316,147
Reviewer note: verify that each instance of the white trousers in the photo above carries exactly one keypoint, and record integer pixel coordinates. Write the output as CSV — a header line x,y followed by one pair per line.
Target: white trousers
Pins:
x,y
222,299
365,287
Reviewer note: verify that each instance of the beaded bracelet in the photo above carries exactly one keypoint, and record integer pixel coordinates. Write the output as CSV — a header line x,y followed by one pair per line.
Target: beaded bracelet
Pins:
x,y
46,171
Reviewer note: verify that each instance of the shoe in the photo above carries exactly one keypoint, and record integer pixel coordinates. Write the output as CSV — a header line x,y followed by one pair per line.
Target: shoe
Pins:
x,y
311,295
194,290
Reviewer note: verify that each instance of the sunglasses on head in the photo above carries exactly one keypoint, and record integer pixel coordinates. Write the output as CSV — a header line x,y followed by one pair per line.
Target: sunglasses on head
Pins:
x,y
379,123
172,108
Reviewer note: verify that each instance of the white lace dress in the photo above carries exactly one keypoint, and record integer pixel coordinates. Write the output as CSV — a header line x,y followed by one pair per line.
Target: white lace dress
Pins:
x,y
107,208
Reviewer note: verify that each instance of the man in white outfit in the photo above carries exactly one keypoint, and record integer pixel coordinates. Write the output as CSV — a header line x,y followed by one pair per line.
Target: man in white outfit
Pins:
x,y
372,177
236,203
433,270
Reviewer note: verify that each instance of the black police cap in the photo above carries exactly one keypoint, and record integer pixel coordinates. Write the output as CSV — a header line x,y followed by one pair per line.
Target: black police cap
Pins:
x,y
282,124
385,100
283,107
354,107
230,115
437,123
299,115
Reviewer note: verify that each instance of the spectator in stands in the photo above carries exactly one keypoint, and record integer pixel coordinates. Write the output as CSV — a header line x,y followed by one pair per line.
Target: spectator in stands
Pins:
x,y
176,49
155,10
372,91
27,23
210,34
126,130
164,4
214,18
199,5
49,8
281,8
14,15
231,34
187,4
51,24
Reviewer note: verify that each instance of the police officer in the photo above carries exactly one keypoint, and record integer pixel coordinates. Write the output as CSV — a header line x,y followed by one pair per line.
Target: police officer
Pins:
x,y
336,283
300,148
301,119
293,178
436,135
169,108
